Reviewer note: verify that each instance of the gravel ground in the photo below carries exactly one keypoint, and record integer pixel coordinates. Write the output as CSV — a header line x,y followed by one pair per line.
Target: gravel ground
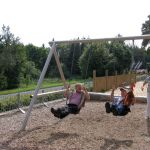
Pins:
x,y
92,129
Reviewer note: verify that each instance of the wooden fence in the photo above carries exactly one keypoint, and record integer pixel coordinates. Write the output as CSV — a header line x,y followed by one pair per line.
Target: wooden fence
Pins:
x,y
105,83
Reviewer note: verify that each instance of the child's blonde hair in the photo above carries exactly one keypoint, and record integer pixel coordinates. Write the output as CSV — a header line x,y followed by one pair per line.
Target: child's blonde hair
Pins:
x,y
78,84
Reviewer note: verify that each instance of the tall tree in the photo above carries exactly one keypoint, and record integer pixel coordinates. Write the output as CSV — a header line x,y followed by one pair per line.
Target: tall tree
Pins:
x,y
37,55
94,57
122,55
12,57
114,56
69,56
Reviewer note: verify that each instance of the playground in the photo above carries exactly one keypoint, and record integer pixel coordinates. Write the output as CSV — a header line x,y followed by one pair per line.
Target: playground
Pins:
x,y
91,129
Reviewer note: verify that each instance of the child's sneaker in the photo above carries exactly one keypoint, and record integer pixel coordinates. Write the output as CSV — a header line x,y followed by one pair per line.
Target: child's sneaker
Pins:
x,y
107,106
53,111
57,113
147,117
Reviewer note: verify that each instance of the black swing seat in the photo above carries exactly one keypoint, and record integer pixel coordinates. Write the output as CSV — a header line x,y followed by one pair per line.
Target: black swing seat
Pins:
x,y
77,112
126,111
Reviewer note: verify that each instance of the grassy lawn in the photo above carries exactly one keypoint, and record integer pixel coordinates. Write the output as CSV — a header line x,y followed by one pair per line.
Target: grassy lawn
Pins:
x,y
47,83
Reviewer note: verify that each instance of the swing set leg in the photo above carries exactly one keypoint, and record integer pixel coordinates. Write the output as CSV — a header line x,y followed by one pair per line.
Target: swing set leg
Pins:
x,y
22,110
45,104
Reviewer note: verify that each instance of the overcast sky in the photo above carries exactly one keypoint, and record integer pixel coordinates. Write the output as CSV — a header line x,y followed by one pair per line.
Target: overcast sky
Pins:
x,y
38,21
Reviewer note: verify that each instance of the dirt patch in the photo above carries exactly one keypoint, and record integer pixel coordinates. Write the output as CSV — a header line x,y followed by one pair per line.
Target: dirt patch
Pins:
x,y
92,129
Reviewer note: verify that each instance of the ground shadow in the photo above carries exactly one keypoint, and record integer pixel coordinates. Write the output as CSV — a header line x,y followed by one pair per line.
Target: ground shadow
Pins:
x,y
19,148
17,135
148,126
57,136
113,144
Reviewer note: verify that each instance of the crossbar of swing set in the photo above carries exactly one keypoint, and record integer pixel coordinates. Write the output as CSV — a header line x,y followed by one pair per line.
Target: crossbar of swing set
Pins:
x,y
147,36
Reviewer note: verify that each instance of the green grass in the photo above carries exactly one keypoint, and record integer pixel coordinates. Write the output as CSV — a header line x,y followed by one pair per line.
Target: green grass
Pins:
x,y
47,83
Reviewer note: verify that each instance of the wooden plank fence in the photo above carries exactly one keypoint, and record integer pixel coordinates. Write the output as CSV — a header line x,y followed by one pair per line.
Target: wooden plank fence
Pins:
x,y
101,84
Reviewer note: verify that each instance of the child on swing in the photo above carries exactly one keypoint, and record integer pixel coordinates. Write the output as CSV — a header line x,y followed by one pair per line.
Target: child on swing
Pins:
x,y
76,101
120,105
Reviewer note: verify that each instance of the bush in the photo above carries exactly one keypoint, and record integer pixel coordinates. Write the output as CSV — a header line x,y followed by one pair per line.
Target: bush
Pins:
x,y
13,102
3,82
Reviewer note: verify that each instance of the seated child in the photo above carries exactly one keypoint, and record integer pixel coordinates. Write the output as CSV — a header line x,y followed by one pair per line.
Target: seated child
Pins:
x,y
76,102
120,105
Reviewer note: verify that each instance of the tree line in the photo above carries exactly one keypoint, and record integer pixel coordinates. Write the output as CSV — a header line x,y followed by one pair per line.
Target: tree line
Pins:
x,y
21,63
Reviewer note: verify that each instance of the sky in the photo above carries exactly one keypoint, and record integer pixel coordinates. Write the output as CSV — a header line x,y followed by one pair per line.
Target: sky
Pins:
x,y
39,21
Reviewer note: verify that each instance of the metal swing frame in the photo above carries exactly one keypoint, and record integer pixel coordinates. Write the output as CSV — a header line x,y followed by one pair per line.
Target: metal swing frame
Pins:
x,y
53,51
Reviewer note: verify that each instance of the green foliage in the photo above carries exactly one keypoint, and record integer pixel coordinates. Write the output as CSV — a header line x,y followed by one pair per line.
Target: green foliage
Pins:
x,y
69,56
50,97
29,73
12,57
146,30
3,82
13,103
37,55
18,63
121,55
105,56
140,55
21,65
147,55
148,67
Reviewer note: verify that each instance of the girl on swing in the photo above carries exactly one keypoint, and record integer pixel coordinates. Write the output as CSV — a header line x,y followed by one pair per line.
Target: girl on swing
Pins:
x,y
76,101
120,105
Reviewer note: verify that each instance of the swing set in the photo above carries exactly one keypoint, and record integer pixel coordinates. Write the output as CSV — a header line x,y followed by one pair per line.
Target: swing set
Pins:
x,y
54,52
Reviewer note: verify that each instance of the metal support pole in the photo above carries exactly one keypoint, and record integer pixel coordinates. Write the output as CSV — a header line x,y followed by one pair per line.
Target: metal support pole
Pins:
x,y
38,86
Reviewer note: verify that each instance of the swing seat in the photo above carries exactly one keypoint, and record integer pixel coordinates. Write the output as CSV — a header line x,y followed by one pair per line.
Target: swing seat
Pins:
x,y
126,111
77,112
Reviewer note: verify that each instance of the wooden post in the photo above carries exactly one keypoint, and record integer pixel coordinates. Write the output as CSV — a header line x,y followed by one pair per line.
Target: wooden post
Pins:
x,y
106,77
94,80
130,75
60,68
116,84
135,77
124,71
